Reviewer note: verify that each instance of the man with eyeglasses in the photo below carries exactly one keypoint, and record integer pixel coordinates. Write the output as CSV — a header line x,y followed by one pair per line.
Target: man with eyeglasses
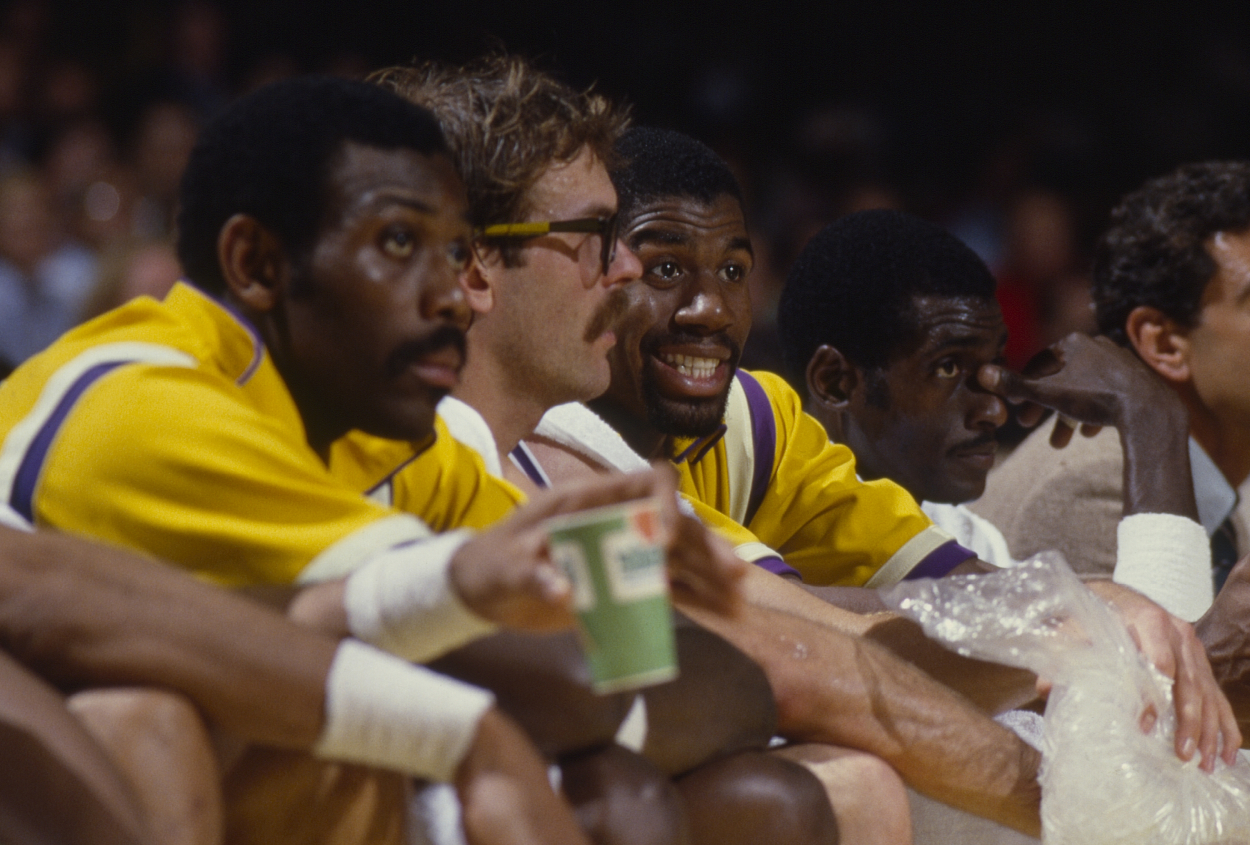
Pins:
x,y
545,286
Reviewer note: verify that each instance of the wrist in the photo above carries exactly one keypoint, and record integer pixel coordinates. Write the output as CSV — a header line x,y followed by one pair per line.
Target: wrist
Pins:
x,y
1166,558
382,711
404,601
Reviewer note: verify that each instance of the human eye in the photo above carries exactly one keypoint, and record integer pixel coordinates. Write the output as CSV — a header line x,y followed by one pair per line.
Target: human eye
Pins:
x,y
458,254
734,272
398,242
665,271
947,368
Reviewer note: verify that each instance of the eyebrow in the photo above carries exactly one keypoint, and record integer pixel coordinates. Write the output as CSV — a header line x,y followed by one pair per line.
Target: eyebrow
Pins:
x,y
664,237
670,237
743,244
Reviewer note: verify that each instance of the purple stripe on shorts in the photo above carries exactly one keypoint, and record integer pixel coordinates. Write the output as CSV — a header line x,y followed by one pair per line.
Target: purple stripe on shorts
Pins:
x,y
777,566
23,495
764,435
940,561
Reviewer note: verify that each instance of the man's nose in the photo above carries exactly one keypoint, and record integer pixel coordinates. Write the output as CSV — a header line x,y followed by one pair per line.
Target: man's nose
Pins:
x,y
625,267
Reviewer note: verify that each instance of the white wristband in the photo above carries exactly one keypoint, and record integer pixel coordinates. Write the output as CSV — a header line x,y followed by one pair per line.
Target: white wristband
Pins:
x,y
402,600
1166,558
382,711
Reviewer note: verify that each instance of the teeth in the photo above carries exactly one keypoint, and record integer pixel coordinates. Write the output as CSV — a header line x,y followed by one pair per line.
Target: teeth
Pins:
x,y
689,365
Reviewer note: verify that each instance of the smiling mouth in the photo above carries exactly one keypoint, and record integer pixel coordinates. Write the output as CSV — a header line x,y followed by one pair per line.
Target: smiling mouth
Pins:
x,y
691,366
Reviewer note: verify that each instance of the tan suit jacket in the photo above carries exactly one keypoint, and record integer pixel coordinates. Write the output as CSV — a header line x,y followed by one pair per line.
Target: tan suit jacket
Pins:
x,y
1069,499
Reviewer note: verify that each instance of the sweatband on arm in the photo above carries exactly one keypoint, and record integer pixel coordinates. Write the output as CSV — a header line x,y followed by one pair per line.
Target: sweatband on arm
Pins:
x,y
1166,558
382,711
402,601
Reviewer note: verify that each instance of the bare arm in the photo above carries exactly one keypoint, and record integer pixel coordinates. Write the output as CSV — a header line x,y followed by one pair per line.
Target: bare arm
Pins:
x,y
89,615
1096,383
845,691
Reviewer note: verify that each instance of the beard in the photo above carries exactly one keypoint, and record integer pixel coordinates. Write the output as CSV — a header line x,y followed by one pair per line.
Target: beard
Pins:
x,y
691,416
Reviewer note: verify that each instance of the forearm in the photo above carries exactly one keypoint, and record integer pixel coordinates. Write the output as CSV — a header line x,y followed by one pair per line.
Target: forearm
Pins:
x,y
1157,477
82,615
991,686
845,691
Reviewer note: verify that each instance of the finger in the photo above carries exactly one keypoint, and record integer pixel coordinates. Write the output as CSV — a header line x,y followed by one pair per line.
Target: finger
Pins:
x,y
1088,430
1061,435
1230,730
1030,414
1149,717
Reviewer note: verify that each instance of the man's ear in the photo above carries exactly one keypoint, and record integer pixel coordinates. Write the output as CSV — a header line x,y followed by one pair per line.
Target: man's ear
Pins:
x,y
253,263
478,280
1159,341
831,379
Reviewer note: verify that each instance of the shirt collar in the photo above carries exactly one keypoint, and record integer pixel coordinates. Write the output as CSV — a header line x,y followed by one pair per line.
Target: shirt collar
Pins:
x,y
1214,496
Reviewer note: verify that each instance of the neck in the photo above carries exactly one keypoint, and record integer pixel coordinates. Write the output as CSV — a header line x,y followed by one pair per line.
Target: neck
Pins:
x,y
321,425
634,430
511,410
1226,444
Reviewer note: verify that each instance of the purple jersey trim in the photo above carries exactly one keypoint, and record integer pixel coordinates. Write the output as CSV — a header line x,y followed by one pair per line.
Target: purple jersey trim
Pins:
x,y
696,450
777,566
258,346
764,436
940,561
522,459
23,495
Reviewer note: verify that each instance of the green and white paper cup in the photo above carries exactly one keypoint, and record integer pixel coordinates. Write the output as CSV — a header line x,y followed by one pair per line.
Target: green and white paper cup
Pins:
x,y
620,592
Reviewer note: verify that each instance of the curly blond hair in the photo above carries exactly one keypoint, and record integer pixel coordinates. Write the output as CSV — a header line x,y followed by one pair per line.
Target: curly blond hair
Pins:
x,y
507,122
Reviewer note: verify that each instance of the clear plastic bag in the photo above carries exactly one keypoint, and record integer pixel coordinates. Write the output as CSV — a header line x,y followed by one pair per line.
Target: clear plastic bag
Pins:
x,y
1104,781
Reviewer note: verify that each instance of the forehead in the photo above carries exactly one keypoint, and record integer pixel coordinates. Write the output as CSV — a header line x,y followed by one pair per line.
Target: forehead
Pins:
x,y
363,178
688,220
945,322
1231,252
569,190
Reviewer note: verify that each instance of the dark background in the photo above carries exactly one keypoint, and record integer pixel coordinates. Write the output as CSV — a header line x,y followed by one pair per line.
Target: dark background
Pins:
x,y
1017,125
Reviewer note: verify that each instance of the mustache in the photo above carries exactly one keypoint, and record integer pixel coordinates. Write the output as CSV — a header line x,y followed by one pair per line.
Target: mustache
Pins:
x,y
608,315
414,350
653,341
975,443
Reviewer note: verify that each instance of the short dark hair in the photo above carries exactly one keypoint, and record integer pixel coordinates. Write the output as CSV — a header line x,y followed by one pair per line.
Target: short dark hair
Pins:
x,y
656,163
853,284
1154,253
268,155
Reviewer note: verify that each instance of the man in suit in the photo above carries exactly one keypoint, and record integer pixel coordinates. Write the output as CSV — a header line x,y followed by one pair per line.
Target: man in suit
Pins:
x,y
1170,280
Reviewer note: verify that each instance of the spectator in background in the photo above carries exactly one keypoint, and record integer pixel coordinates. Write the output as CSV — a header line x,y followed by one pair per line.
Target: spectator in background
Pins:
x,y
162,143
1042,289
44,279
130,268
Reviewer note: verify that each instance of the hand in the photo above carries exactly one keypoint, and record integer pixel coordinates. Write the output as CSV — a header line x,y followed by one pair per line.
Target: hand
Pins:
x,y
1204,718
1225,632
1089,381
506,574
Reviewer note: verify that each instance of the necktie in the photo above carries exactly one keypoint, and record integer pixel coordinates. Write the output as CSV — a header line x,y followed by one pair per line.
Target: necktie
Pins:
x,y
1223,552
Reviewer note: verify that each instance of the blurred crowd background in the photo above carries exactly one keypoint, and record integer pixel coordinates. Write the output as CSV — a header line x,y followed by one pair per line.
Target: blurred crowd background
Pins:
x,y
1015,125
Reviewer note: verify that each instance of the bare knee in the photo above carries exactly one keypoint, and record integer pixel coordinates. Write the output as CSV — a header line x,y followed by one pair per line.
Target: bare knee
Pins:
x,y
160,744
868,797
621,799
755,797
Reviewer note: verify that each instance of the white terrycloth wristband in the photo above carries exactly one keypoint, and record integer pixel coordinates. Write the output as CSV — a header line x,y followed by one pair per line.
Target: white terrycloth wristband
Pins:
x,y
382,711
402,601
1166,558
